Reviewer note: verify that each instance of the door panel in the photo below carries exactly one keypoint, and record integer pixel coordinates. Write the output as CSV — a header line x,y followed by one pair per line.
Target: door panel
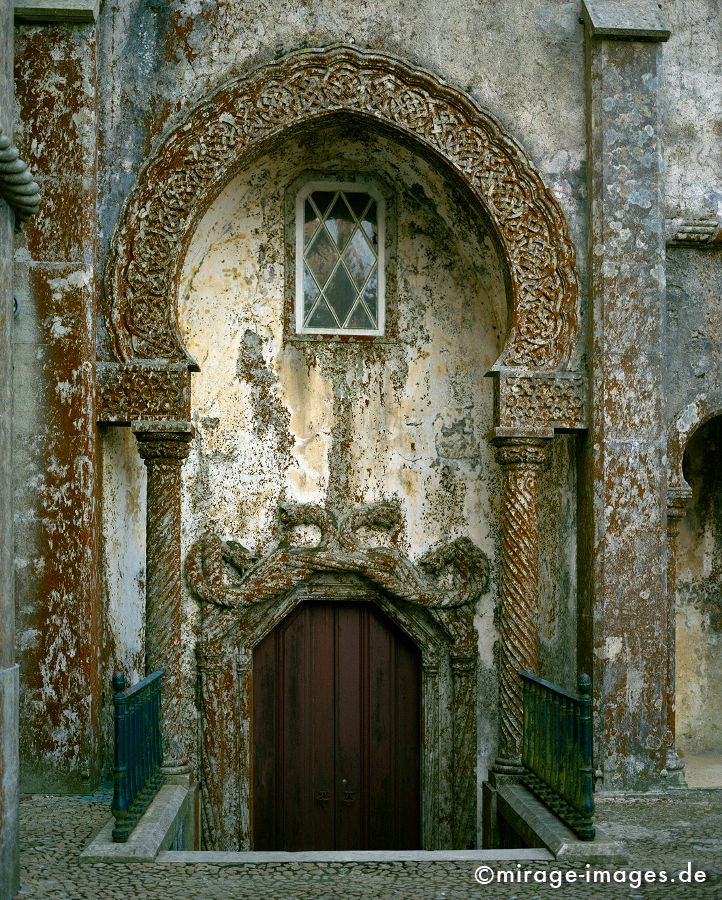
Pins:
x,y
336,732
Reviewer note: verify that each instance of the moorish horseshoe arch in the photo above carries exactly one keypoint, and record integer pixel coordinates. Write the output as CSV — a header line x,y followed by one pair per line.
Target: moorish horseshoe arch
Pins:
x,y
148,383
199,156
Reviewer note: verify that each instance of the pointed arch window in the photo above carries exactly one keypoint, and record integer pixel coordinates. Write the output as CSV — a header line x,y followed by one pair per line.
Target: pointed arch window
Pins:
x,y
340,258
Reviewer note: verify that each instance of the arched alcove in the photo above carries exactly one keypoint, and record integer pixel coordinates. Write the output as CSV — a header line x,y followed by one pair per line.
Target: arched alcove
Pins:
x,y
699,607
282,417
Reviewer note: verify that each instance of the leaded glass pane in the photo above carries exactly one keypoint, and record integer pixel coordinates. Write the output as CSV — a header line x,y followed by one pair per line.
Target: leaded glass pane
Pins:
x,y
340,251
359,258
321,257
321,316
341,293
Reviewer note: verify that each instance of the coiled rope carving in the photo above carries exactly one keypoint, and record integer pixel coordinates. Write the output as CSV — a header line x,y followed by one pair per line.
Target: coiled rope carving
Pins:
x,y
17,187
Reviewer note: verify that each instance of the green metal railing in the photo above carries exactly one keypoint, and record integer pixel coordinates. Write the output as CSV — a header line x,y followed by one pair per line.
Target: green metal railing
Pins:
x,y
557,750
138,750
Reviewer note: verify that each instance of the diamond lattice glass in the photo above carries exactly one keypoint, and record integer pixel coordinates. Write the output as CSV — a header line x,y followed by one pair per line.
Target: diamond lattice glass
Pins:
x,y
340,261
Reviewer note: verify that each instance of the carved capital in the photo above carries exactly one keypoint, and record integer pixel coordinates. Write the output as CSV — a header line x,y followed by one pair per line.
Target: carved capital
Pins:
x,y
539,402
165,442
521,451
702,232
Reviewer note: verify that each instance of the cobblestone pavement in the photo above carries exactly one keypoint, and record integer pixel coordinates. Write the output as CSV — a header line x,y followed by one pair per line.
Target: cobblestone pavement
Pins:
x,y
659,833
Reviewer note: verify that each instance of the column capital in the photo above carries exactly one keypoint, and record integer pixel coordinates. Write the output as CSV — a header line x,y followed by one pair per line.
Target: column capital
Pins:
x,y
520,449
164,439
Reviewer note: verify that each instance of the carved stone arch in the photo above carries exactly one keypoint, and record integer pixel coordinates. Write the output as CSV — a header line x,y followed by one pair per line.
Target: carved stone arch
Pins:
x,y
199,156
684,425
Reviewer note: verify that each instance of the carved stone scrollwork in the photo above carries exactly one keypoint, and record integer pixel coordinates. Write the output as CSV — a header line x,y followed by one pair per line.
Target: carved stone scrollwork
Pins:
x,y
521,459
202,152
164,446
433,600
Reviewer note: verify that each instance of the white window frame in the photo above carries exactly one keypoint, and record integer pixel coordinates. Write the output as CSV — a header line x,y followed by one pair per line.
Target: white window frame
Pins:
x,y
353,186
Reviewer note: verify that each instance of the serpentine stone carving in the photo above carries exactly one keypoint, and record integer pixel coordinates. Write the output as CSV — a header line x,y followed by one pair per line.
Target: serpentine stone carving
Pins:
x,y
227,575
17,187
199,156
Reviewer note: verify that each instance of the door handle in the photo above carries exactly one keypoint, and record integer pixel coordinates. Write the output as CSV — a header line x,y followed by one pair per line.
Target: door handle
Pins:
x,y
323,796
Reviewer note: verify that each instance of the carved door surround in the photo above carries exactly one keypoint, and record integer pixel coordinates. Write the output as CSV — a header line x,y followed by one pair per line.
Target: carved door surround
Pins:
x,y
432,600
536,392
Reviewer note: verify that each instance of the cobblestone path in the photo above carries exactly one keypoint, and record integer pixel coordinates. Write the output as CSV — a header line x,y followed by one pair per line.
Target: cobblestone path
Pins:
x,y
682,831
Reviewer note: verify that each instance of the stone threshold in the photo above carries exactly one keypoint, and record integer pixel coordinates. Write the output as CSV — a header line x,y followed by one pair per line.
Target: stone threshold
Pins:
x,y
237,858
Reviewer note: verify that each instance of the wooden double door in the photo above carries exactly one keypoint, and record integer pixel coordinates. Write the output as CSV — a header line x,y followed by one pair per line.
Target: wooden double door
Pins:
x,y
336,724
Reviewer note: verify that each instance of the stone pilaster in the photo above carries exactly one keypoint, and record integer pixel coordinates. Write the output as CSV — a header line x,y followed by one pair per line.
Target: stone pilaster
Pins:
x,y
9,762
623,569
677,500
164,445
56,438
521,459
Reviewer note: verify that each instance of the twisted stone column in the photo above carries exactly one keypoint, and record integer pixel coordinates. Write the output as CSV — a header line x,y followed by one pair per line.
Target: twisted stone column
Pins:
x,y
164,446
521,459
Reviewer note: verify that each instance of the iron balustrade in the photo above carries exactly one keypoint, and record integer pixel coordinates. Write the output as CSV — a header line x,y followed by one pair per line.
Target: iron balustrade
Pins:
x,y
138,750
557,750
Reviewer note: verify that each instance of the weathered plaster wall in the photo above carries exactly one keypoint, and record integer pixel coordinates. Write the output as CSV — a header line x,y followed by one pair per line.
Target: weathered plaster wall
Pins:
x,y
699,597
694,326
122,562
692,107
558,564
56,541
694,310
524,60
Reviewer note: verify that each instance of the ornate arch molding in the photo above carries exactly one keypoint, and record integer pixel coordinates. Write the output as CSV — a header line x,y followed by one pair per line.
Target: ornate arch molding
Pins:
x,y
433,600
200,155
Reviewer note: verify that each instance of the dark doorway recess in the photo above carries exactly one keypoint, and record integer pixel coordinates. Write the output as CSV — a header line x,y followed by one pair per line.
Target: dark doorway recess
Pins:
x,y
336,723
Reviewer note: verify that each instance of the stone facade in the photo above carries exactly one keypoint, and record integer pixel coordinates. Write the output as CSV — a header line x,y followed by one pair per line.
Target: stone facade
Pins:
x,y
163,396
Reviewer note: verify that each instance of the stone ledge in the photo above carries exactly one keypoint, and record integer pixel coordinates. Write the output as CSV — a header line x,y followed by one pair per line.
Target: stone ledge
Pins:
x,y
228,858
43,11
168,813
9,775
534,823
631,20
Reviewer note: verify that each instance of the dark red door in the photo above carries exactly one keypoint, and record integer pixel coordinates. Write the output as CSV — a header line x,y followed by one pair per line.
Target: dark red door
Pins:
x,y
336,713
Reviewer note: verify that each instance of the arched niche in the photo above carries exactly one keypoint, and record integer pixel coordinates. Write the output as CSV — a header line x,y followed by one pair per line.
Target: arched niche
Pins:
x,y
698,602
284,416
